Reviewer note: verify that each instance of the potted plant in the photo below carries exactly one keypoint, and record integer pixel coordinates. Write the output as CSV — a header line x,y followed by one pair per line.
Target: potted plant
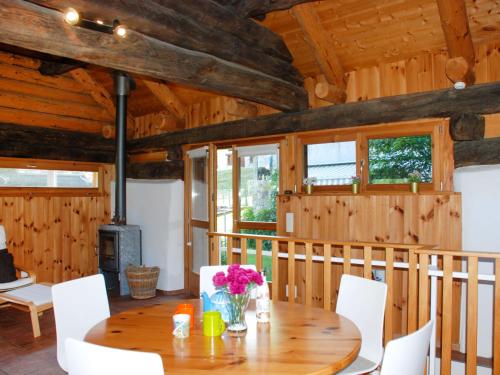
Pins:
x,y
309,183
356,181
237,285
414,178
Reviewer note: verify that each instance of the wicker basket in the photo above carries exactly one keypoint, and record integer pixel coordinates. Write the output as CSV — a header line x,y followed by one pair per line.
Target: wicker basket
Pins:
x,y
142,281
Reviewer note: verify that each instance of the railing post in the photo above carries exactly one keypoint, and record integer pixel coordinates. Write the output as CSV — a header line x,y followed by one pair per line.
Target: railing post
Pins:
x,y
309,271
291,271
496,320
229,250
347,259
244,252
433,315
389,279
412,291
327,276
275,267
258,254
447,314
472,285
367,269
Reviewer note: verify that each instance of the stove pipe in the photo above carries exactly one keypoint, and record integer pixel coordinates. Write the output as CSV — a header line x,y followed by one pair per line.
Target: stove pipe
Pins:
x,y
123,84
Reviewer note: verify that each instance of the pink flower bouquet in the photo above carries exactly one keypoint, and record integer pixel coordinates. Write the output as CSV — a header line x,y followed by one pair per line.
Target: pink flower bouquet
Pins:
x,y
238,280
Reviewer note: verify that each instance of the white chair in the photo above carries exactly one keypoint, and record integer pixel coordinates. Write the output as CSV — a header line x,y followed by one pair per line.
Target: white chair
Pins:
x,y
208,272
89,359
363,302
78,306
407,355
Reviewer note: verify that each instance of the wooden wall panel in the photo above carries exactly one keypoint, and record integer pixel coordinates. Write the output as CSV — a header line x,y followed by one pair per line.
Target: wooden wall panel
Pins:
x,y
425,218
55,236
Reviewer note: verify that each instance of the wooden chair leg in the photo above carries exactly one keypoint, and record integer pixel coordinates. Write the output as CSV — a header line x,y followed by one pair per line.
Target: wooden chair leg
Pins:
x,y
34,321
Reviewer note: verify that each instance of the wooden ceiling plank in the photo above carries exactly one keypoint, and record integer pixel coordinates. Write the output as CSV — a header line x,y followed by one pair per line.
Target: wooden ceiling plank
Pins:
x,y
321,43
22,22
479,99
183,24
259,8
168,98
455,25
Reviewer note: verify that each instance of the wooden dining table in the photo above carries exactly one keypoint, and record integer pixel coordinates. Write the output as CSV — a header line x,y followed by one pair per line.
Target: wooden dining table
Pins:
x,y
298,340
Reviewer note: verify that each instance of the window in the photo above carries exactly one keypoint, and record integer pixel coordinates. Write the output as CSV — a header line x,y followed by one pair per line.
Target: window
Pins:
x,y
382,156
331,163
37,174
391,160
259,177
21,177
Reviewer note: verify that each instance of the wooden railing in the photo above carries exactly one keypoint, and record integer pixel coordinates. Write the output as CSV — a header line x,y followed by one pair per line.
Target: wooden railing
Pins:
x,y
423,283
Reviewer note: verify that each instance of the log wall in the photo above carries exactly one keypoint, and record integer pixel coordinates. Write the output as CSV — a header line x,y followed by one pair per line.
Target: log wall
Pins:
x,y
56,235
29,98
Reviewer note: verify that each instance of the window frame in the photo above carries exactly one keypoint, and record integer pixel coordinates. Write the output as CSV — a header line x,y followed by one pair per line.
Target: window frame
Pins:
x,y
37,164
440,144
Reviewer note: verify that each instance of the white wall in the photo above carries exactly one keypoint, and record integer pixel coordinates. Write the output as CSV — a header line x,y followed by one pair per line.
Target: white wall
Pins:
x,y
480,188
158,208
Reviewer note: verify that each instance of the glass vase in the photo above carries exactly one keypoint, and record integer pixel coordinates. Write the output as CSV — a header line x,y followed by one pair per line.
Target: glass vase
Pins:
x,y
238,304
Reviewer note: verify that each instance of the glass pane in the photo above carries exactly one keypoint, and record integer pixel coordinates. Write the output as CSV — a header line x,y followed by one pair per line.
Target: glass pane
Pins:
x,y
199,189
258,187
391,160
17,177
331,163
200,249
267,256
224,191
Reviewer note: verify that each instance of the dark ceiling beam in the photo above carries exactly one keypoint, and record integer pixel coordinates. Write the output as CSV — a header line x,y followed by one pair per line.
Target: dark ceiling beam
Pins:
x,y
159,170
52,68
35,142
259,8
480,152
37,28
478,99
183,24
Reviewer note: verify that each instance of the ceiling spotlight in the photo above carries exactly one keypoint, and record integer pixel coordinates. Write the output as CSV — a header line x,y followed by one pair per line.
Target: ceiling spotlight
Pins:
x,y
71,16
100,22
120,31
459,85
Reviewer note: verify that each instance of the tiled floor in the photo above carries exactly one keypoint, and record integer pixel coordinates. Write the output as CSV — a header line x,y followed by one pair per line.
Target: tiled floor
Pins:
x,y
21,354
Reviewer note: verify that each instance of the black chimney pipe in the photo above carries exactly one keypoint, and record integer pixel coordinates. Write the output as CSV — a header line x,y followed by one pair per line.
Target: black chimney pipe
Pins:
x,y
123,85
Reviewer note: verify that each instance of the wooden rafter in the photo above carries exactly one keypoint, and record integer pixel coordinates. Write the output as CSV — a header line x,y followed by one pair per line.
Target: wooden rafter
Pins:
x,y
41,143
479,152
195,25
21,24
321,44
259,8
455,25
167,98
101,96
479,99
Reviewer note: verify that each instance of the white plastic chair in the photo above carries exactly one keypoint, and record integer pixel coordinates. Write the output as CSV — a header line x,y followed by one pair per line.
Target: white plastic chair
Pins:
x,y
363,302
78,306
89,359
408,355
208,272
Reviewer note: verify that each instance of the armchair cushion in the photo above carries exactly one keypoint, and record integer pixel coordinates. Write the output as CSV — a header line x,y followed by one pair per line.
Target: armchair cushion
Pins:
x,y
7,269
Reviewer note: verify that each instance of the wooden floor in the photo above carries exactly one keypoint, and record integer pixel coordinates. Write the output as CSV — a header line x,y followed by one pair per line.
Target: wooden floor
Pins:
x,y
21,354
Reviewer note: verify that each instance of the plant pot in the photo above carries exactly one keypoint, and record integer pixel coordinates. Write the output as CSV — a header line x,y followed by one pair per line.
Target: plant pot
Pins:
x,y
414,187
309,189
355,188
